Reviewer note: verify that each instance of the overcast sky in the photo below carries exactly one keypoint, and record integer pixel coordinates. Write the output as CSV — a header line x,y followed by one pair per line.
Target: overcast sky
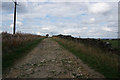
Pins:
x,y
84,19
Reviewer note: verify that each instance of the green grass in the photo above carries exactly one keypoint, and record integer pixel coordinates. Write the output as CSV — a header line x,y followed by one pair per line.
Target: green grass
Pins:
x,y
92,61
9,59
113,42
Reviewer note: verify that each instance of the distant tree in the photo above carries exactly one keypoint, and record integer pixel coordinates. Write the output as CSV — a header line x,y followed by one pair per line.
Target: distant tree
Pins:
x,y
47,35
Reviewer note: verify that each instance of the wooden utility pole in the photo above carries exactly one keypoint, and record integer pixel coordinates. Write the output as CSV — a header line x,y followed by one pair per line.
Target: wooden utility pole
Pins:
x,y
14,28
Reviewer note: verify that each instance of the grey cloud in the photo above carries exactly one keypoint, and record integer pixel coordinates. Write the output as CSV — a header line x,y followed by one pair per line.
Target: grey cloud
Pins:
x,y
35,19
9,7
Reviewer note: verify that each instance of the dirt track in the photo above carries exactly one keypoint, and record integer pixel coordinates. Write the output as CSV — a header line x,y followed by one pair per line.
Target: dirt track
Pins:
x,y
50,60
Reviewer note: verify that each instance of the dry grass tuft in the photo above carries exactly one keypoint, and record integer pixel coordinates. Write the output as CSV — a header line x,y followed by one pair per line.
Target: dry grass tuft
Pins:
x,y
11,42
100,60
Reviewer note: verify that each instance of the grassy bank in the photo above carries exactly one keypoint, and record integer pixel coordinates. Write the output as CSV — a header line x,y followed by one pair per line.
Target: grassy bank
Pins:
x,y
11,55
106,64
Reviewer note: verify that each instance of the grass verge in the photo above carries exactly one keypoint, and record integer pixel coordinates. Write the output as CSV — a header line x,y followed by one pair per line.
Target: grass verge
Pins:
x,y
9,59
106,64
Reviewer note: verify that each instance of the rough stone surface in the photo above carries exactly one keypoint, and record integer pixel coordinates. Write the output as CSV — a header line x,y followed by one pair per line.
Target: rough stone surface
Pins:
x,y
50,60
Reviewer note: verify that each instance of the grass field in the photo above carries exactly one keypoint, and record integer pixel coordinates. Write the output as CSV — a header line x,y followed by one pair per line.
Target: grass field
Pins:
x,y
113,42
106,64
14,47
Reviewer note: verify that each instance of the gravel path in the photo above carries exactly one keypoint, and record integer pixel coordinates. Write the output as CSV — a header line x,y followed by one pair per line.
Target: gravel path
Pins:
x,y
50,60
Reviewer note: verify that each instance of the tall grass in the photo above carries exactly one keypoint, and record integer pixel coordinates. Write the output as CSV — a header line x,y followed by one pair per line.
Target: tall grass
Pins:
x,y
16,46
105,63
11,42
